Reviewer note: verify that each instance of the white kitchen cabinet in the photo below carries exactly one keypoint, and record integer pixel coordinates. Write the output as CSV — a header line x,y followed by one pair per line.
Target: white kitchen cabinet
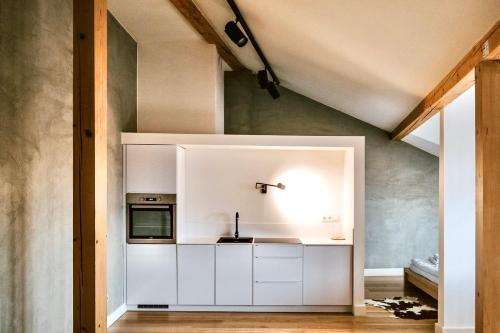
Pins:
x,y
233,274
277,269
277,293
196,274
327,275
277,274
151,169
278,250
151,274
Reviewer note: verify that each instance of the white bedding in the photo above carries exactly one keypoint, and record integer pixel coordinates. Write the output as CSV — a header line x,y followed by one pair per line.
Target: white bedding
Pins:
x,y
434,259
428,276
426,269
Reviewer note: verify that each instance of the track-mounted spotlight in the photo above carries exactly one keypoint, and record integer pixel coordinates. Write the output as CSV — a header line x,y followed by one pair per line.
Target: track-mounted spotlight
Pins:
x,y
262,79
273,90
236,35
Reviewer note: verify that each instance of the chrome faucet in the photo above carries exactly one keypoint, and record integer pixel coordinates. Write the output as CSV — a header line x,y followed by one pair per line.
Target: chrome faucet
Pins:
x,y
236,233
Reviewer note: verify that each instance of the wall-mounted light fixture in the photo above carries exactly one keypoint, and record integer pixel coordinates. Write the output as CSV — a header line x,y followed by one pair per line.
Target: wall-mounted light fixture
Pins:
x,y
263,186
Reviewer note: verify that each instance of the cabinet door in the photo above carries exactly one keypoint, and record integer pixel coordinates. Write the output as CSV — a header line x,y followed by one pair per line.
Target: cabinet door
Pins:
x,y
151,274
151,169
233,275
277,293
196,274
277,269
327,275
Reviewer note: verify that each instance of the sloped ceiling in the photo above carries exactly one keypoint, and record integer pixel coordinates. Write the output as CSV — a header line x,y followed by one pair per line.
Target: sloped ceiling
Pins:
x,y
149,21
426,137
374,60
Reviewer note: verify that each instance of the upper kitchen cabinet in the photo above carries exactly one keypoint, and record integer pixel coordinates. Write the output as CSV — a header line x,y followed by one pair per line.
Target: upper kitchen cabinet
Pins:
x,y
151,168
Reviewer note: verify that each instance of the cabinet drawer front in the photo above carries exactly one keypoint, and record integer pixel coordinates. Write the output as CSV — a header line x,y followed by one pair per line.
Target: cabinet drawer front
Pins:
x,y
277,293
277,269
278,250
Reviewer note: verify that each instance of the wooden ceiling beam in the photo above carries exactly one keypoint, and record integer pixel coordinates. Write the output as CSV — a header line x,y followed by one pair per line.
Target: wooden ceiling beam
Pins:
x,y
195,17
458,80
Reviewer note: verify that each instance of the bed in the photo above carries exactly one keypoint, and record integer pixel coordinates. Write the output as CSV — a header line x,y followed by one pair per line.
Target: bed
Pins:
x,y
423,274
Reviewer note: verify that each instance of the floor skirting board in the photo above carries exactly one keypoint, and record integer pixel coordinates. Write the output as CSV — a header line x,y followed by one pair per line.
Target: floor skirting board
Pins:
x,y
383,271
251,308
440,329
116,314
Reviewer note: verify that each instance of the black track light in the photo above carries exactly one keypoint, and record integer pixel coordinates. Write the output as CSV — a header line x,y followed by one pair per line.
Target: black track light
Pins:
x,y
233,31
264,83
262,79
273,90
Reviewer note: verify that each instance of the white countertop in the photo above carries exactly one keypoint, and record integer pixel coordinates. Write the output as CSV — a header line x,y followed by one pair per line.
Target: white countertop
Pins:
x,y
198,241
325,241
305,241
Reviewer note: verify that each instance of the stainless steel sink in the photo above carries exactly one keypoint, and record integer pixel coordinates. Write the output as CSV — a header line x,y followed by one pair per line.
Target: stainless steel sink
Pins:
x,y
233,240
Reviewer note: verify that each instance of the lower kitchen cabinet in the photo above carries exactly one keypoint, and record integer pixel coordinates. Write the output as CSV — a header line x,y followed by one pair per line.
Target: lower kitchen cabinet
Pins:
x,y
277,293
151,274
277,274
277,269
233,272
327,275
196,274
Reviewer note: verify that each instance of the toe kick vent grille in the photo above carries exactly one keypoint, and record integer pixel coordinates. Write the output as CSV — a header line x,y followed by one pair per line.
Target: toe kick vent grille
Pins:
x,y
152,306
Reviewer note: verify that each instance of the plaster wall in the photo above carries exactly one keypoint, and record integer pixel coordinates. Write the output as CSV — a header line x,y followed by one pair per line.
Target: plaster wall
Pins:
x,y
122,116
36,65
457,221
36,157
179,88
220,182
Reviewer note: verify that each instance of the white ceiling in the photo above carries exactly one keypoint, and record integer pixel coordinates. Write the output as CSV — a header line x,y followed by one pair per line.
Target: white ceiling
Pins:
x,y
429,130
426,137
374,60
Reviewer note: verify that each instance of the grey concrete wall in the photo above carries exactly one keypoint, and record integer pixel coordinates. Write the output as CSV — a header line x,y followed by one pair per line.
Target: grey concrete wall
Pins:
x,y
36,112
401,180
122,116
36,87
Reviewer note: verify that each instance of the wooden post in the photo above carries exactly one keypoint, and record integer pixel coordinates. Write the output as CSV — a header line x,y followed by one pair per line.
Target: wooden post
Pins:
x,y
89,165
488,197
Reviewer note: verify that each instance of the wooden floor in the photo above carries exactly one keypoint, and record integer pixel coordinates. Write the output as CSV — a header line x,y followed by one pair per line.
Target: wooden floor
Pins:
x,y
376,321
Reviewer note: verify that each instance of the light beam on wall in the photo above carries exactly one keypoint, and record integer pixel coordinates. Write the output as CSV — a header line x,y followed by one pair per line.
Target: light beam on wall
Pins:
x,y
307,197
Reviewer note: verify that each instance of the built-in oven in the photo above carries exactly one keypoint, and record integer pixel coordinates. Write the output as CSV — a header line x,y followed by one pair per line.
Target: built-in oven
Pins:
x,y
150,218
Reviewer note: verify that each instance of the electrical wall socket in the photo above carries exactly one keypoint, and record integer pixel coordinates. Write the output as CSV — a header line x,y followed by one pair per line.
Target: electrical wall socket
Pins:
x,y
329,219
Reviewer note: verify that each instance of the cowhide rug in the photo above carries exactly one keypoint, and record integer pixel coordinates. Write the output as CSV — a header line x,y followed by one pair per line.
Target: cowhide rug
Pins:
x,y
405,307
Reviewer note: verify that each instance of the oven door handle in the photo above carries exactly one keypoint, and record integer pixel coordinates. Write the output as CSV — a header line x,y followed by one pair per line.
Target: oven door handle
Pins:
x,y
149,206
